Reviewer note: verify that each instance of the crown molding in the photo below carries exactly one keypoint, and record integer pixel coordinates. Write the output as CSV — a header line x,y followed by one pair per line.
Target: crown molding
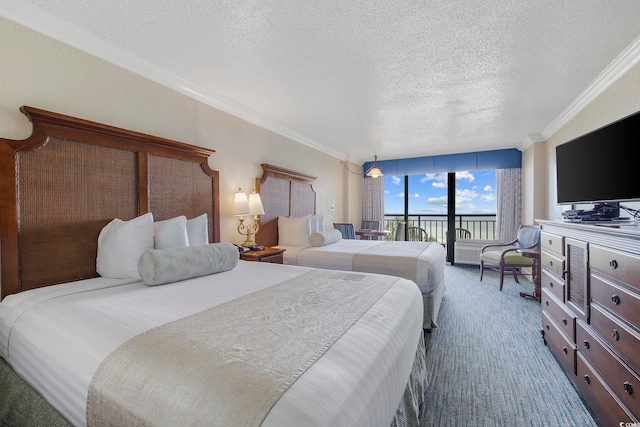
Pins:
x,y
627,59
51,26
529,140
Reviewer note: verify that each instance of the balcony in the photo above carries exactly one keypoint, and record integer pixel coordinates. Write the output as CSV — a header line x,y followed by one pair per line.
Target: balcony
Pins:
x,y
481,226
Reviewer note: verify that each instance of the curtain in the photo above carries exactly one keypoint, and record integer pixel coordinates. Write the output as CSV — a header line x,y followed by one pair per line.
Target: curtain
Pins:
x,y
508,203
373,200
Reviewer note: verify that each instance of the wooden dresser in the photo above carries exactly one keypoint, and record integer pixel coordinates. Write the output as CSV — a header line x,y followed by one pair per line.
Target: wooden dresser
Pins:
x,y
591,312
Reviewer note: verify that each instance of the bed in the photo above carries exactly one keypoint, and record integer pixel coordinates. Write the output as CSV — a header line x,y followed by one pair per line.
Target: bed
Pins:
x,y
290,201
198,337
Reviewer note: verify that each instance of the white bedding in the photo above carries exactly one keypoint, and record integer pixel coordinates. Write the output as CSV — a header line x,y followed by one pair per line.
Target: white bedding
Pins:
x,y
55,338
339,256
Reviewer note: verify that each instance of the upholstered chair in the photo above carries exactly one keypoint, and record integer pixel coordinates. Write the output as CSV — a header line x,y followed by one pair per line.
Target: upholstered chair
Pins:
x,y
505,256
370,225
399,236
346,228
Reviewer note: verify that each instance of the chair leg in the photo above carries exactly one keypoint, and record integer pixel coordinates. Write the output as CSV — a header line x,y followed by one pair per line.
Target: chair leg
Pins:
x,y
501,275
515,276
481,270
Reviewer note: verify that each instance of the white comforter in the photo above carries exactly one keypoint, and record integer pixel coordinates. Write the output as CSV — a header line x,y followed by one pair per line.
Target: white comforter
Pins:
x,y
56,337
339,256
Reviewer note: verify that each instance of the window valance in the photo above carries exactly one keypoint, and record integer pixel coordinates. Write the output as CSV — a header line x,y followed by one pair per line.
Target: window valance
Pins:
x,y
479,160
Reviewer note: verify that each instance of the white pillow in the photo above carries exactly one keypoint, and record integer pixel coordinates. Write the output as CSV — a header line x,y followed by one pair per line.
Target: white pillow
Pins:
x,y
317,223
323,238
171,233
120,245
198,230
294,231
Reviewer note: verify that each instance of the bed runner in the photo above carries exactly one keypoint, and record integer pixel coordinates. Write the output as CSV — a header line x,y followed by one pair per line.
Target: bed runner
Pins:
x,y
393,258
230,364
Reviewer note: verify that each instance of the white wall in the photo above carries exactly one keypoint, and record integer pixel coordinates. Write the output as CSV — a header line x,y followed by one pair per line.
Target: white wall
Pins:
x,y
534,183
618,101
43,73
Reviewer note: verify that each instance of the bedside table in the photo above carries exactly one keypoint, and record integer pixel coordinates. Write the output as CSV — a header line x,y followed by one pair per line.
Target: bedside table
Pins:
x,y
273,255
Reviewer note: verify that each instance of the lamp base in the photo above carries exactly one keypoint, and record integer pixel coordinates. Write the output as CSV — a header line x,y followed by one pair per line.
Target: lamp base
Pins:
x,y
248,231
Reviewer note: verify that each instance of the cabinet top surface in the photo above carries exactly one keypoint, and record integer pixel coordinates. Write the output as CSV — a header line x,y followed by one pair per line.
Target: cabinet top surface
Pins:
x,y
622,228
624,237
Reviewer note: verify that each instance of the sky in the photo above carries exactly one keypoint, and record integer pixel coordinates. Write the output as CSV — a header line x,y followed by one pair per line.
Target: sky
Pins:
x,y
475,193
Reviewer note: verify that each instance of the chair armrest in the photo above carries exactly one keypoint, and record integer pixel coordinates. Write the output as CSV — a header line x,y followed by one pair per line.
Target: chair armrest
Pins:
x,y
497,245
506,251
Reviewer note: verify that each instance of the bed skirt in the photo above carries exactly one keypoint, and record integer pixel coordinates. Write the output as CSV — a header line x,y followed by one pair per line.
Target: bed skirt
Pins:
x,y
21,405
431,303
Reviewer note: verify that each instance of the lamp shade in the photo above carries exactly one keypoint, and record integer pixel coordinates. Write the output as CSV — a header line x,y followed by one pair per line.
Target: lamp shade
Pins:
x,y
375,171
255,204
241,204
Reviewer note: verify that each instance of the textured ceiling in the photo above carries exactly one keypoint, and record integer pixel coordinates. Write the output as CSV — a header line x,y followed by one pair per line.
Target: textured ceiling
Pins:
x,y
398,78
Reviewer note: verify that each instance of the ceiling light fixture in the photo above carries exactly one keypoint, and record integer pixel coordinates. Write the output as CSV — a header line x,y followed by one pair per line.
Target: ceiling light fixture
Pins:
x,y
375,171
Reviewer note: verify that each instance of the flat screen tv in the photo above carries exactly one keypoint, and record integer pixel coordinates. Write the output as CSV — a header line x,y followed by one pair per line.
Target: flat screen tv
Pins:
x,y
600,167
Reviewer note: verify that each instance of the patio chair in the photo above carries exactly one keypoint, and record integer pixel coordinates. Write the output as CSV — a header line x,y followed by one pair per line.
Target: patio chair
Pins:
x,y
417,234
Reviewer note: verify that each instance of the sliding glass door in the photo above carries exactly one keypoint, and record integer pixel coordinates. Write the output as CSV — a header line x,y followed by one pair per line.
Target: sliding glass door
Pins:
x,y
423,201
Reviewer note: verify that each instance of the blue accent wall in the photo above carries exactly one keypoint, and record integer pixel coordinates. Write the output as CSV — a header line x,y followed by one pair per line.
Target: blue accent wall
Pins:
x,y
494,159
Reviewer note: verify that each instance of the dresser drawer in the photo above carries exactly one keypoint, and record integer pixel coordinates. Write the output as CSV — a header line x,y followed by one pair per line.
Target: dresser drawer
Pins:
x,y
552,285
561,347
609,410
553,264
618,300
620,265
618,336
552,243
617,375
558,312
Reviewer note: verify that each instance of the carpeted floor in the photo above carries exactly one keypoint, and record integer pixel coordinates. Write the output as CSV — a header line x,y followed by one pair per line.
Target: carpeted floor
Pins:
x,y
487,363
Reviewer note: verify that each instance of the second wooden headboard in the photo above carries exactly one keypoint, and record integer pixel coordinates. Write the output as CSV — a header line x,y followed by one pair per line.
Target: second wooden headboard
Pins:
x,y
284,192
71,177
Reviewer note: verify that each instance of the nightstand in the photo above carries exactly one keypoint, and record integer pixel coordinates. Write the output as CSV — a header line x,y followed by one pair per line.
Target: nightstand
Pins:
x,y
273,255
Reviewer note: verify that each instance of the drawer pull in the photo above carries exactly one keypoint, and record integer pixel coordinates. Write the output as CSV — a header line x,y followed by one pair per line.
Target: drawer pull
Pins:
x,y
550,263
551,284
586,344
613,264
587,379
550,242
565,350
547,326
615,299
564,321
615,334
547,303
627,388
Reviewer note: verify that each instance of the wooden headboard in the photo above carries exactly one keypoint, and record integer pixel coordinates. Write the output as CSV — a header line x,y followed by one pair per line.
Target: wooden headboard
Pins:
x,y
284,192
65,182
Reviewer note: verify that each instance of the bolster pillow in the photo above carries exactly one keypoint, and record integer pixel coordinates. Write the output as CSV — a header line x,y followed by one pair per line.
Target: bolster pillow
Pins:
x,y
323,238
160,266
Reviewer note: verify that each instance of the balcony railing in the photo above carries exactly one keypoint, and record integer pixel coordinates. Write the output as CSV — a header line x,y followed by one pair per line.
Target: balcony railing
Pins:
x,y
481,226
